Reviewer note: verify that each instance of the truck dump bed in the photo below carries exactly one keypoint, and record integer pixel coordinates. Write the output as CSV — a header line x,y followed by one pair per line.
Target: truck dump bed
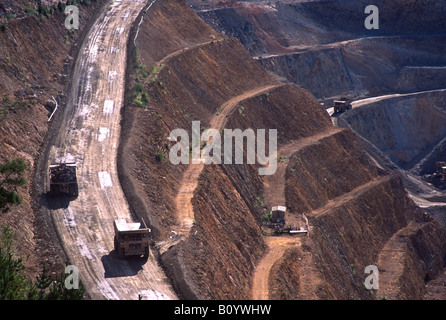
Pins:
x,y
63,179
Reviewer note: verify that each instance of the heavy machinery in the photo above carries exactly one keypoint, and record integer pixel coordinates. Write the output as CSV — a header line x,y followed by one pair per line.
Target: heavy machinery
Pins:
x,y
278,222
441,170
130,239
63,180
278,215
341,106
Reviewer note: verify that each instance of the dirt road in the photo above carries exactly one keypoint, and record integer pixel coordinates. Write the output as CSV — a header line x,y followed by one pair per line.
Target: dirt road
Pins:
x,y
274,188
275,195
346,197
362,102
89,135
276,249
275,184
189,182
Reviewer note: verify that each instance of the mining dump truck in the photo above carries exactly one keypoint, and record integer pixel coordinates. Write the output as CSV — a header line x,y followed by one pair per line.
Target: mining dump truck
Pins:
x,y
441,170
63,180
341,106
130,239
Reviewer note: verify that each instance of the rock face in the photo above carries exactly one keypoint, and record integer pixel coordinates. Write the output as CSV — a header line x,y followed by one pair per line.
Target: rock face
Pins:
x,y
405,128
325,47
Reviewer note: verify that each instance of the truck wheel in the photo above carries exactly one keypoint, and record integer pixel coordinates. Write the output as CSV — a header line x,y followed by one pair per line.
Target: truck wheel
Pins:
x,y
54,191
146,253
115,241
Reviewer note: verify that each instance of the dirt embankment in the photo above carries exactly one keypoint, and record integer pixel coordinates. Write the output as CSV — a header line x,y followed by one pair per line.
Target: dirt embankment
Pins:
x,y
192,85
277,26
36,59
324,171
364,67
356,207
227,201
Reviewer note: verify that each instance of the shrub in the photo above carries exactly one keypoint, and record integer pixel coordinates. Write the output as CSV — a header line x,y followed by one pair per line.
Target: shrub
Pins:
x,y
12,176
160,156
15,285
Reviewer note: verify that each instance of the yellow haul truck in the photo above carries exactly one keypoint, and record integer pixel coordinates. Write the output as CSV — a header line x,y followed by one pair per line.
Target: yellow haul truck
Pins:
x,y
130,239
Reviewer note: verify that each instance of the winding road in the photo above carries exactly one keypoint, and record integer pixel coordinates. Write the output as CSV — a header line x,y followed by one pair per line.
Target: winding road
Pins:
x,y
185,213
89,135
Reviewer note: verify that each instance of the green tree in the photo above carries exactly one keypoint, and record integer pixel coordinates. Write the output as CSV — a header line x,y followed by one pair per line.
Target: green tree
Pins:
x,y
14,285
11,176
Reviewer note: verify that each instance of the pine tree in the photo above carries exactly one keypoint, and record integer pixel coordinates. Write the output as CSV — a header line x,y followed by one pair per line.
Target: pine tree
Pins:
x,y
11,176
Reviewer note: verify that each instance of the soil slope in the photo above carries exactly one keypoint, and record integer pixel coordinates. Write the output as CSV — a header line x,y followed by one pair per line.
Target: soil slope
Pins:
x,y
353,207
37,56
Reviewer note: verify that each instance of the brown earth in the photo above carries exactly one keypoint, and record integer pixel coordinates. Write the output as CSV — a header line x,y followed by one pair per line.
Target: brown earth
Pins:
x,y
277,246
184,90
361,206
359,214
185,214
36,60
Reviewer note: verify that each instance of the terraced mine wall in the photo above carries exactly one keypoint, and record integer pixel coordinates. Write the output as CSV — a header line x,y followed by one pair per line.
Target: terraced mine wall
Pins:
x,y
405,128
324,46
227,202
353,207
364,67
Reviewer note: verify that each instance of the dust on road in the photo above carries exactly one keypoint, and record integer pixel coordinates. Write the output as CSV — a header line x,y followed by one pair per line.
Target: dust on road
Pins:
x,y
89,135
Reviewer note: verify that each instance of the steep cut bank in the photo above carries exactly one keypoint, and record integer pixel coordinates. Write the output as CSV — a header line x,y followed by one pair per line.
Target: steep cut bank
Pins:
x,y
325,47
37,55
192,84
353,207
273,27
362,67
227,201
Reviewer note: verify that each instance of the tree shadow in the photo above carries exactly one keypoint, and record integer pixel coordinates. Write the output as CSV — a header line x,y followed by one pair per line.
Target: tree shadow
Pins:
x,y
115,266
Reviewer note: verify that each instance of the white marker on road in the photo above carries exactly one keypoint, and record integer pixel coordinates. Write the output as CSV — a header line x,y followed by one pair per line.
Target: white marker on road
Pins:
x,y
108,106
126,15
105,179
112,75
103,133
